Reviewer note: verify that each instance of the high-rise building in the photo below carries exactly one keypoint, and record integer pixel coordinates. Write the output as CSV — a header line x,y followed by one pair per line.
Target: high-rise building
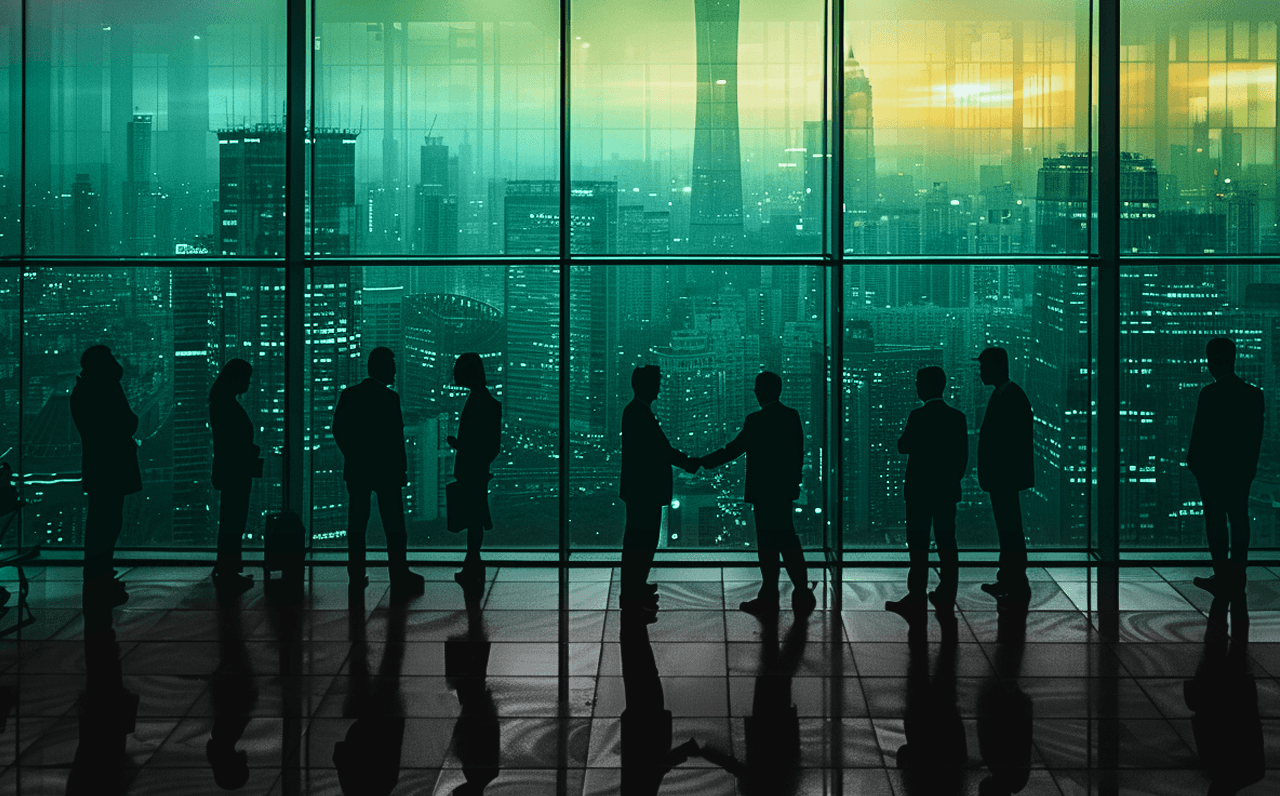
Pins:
x,y
86,217
251,205
715,222
1066,210
436,201
533,347
859,137
437,327
532,217
139,208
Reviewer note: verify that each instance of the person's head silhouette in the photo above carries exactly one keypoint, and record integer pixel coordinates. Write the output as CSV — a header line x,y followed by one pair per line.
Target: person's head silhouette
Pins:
x,y
1221,353
930,382
97,363
645,381
382,365
468,371
233,378
768,388
993,366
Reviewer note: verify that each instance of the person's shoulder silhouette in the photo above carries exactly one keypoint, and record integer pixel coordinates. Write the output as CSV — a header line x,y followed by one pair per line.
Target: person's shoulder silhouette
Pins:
x,y
369,427
1226,435
106,424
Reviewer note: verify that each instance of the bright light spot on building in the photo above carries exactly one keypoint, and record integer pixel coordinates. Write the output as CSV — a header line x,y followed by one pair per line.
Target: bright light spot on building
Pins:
x,y
818,510
675,504
955,202
721,82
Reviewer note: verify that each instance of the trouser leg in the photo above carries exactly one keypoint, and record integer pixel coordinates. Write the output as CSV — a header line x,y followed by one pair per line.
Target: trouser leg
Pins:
x,y
918,518
233,516
944,531
391,509
103,522
1238,514
358,505
1215,528
1006,507
776,539
639,545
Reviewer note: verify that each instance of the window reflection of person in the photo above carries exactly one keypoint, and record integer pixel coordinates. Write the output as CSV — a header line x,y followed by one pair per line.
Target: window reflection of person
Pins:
x,y
235,465
478,441
109,468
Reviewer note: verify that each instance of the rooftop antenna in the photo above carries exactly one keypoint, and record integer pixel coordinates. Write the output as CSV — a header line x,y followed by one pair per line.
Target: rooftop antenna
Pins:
x,y
433,124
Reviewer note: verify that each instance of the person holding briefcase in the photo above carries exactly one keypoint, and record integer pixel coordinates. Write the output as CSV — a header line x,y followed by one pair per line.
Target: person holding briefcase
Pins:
x,y
479,438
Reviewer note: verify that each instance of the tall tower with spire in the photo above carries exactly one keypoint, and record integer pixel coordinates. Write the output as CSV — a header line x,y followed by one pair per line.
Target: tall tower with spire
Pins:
x,y
715,220
859,138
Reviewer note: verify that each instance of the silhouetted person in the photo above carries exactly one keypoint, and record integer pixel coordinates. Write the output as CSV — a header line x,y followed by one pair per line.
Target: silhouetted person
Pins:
x,y
936,441
1006,466
235,465
934,758
477,738
647,755
773,441
1005,712
234,696
109,468
369,430
772,764
1223,456
647,458
477,443
1223,697
368,759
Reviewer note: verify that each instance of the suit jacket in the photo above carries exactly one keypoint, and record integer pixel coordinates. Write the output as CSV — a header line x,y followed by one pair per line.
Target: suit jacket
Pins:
x,y
936,441
109,463
647,457
1005,458
1226,435
479,436
369,430
773,441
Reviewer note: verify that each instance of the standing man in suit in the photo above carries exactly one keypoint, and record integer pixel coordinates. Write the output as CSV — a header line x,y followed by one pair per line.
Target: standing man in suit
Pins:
x,y
936,441
369,430
773,441
1226,438
647,457
1006,466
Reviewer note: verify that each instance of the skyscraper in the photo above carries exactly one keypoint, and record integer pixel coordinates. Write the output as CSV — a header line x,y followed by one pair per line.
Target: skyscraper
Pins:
x,y
859,138
1065,209
532,217
436,205
715,223
139,202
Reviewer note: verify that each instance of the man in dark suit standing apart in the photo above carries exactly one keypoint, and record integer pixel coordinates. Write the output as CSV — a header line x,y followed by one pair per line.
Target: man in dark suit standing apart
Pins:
x,y
1006,466
773,441
936,441
1226,438
647,457
369,430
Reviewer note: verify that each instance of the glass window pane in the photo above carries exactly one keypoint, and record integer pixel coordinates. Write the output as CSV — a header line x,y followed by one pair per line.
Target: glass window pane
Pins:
x,y
428,315
446,104
1168,314
154,129
10,122
711,330
700,124
905,317
171,329
1198,96
966,130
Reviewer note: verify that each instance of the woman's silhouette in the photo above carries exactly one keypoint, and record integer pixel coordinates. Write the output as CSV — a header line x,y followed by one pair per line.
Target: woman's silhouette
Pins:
x,y
235,465
479,436
109,467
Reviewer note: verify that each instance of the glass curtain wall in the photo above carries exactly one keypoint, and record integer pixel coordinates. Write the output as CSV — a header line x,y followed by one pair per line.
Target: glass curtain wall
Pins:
x,y
434,134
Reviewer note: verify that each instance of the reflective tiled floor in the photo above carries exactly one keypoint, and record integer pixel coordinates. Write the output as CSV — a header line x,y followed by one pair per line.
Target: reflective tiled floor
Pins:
x,y
504,695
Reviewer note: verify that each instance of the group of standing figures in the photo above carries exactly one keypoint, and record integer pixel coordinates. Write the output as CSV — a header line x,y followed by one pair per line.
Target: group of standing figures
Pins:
x,y
368,427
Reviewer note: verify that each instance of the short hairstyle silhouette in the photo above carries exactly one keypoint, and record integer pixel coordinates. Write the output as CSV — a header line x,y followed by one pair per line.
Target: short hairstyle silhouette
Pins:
x,y
645,378
96,359
230,375
997,356
932,380
469,370
769,386
380,359
1221,349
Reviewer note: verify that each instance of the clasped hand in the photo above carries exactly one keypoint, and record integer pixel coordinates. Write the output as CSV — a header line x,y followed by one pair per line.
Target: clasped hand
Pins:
x,y
692,465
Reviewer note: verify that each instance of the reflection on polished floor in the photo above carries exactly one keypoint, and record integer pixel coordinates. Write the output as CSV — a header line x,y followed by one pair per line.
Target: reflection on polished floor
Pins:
x,y
436,696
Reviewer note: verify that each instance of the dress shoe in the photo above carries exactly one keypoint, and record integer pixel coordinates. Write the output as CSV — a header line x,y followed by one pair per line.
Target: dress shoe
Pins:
x,y
942,601
803,601
232,582
910,607
760,606
407,584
